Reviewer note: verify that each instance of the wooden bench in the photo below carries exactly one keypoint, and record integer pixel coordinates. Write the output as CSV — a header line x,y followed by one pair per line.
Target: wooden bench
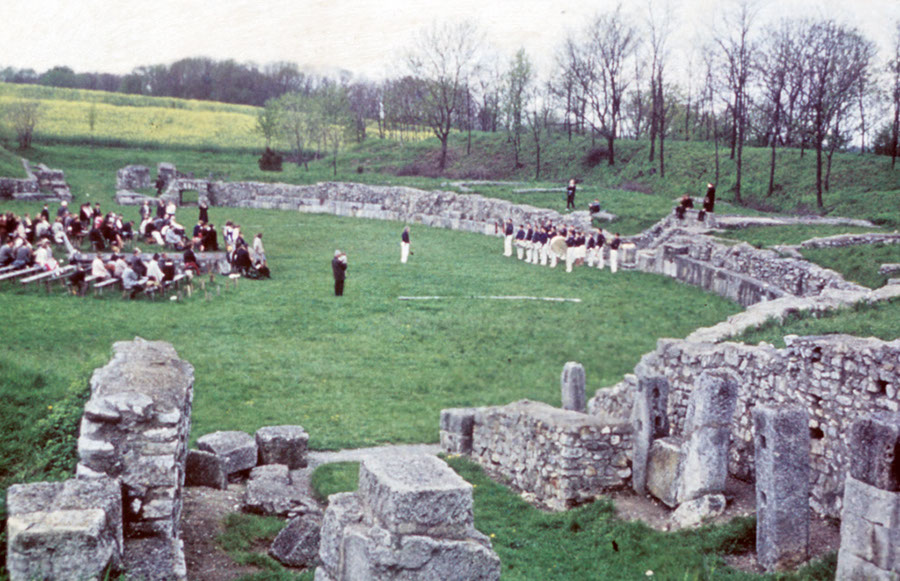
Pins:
x,y
106,283
13,274
50,276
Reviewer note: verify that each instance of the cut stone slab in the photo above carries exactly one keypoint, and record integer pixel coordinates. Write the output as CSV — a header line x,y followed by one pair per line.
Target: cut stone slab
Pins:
x,y
456,430
781,449
377,554
875,441
155,559
414,494
282,445
64,530
572,382
238,449
665,463
297,545
205,469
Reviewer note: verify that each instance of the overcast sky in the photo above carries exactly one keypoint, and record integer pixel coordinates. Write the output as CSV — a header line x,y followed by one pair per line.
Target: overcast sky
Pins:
x,y
365,37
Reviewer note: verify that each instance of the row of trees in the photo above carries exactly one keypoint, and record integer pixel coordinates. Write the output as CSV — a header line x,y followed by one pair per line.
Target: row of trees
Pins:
x,y
191,78
807,84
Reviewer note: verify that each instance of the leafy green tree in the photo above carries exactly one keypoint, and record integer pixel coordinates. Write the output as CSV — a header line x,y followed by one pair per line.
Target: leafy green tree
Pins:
x,y
517,87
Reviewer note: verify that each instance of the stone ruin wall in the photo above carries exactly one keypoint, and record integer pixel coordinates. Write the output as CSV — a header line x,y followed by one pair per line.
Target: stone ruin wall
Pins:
x,y
42,183
123,508
561,458
739,272
467,212
836,378
135,427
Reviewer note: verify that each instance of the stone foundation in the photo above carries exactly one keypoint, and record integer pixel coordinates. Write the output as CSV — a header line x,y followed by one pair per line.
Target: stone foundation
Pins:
x,y
835,377
564,458
42,184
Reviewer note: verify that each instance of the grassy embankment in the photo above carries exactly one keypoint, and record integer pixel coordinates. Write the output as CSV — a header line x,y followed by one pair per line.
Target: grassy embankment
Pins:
x,y
369,368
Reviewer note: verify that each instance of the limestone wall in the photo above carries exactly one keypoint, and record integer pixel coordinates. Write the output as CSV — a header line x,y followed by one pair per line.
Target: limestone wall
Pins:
x,y
135,427
564,458
836,377
469,212
42,183
740,272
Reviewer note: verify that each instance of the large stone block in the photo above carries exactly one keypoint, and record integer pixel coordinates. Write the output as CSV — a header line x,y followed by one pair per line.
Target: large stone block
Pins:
x,y
649,421
205,469
416,494
238,449
572,386
270,491
297,545
282,445
456,430
875,450
665,464
64,530
707,436
375,554
781,443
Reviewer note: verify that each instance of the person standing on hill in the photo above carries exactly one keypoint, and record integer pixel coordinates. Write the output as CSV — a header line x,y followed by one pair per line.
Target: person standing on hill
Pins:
x,y
709,202
570,195
404,245
508,238
339,269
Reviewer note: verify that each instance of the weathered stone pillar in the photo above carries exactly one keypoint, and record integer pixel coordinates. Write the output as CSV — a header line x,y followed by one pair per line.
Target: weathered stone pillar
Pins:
x,y
456,430
572,387
870,520
781,441
650,421
707,435
135,427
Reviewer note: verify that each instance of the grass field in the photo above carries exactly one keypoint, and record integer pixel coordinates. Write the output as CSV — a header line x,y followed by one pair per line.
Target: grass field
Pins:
x,y
368,368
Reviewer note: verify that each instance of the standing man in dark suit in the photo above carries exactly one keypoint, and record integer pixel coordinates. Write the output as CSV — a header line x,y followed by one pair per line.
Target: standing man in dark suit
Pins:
x,y
339,268
570,195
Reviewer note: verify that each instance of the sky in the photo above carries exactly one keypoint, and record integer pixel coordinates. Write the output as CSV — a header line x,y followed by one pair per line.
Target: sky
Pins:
x,y
368,38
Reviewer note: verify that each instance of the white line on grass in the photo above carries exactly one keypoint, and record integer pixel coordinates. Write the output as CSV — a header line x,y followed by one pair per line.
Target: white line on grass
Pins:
x,y
499,298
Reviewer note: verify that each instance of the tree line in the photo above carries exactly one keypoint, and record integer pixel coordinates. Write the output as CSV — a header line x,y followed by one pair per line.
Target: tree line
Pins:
x,y
810,84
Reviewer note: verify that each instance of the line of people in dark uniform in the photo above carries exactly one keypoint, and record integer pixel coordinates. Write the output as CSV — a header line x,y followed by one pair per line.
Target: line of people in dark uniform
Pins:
x,y
546,244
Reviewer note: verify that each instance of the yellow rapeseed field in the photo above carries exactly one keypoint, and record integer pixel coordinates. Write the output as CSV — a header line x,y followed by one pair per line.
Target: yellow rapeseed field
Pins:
x,y
134,119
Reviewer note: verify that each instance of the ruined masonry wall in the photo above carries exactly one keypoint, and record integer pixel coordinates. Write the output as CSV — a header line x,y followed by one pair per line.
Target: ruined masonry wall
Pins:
x,y
135,427
837,378
740,272
468,212
563,457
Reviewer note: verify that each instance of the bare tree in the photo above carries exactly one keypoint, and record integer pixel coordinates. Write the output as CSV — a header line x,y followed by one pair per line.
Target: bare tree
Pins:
x,y
538,116
781,51
838,56
894,69
659,27
737,49
23,116
444,59
602,67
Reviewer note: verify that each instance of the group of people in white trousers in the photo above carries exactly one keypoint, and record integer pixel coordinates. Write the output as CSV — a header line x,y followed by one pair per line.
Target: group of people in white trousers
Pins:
x,y
546,245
